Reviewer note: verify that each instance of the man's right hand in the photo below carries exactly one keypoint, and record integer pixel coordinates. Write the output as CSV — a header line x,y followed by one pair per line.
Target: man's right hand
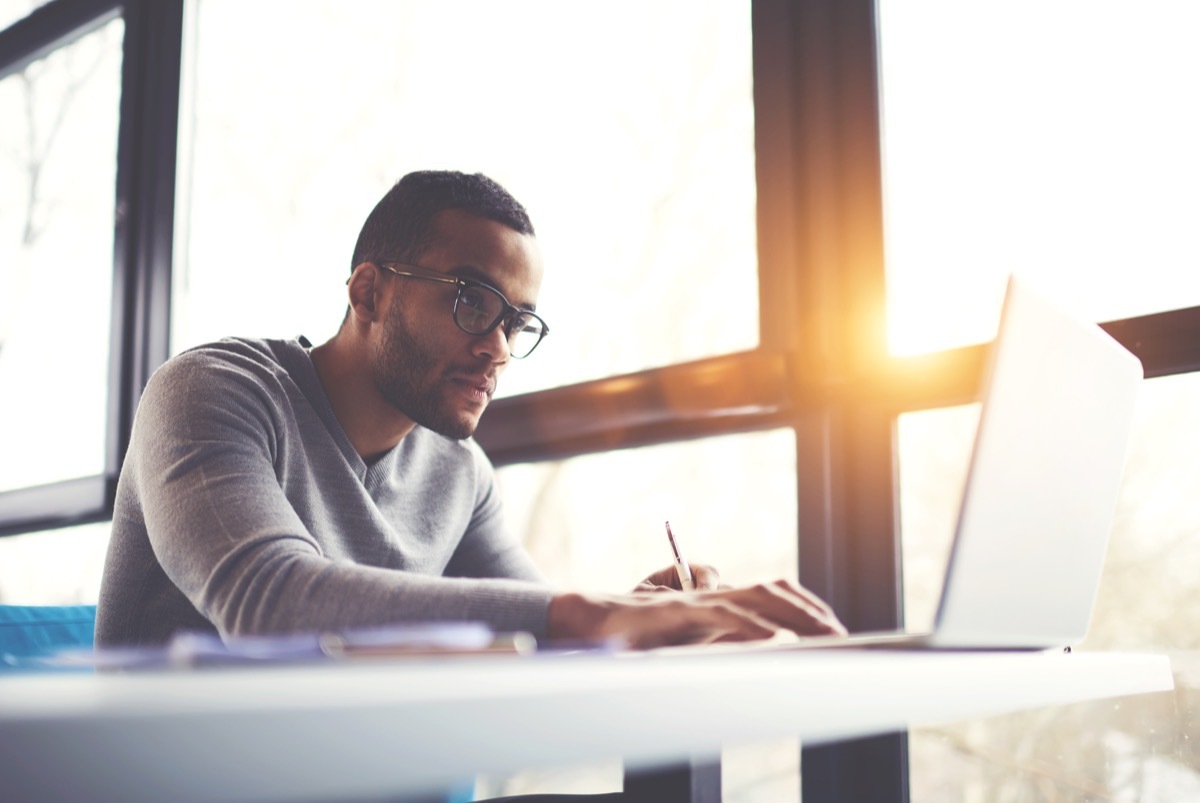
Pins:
x,y
644,621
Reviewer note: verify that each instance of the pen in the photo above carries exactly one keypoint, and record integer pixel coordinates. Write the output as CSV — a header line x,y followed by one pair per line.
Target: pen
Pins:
x,y
681,565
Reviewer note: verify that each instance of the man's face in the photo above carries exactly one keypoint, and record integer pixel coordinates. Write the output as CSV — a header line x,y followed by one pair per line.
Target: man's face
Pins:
x,y
424,365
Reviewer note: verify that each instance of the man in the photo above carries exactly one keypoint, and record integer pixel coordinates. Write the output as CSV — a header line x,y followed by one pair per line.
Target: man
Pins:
x,y
271,487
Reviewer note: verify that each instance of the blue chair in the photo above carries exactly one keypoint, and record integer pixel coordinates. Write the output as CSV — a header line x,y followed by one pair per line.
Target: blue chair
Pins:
x,y
30,632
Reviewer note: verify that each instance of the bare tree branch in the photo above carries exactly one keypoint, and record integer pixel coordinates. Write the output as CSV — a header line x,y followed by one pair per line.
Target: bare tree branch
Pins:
x,y
1038,772
40,148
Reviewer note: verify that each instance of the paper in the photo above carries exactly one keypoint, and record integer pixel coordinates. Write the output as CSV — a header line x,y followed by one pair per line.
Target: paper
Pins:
x,y
192,649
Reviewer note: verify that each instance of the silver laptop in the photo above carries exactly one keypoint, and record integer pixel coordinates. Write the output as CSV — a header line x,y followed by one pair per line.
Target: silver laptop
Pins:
x,y
1040,495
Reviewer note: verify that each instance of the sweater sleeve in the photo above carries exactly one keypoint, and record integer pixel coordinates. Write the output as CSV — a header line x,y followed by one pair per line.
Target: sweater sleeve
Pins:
x,y
224,532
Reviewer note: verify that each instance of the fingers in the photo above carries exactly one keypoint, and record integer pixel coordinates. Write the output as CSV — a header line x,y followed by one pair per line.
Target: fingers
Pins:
x,y
707,578
646,586
662,579
656,619
789,606
674,619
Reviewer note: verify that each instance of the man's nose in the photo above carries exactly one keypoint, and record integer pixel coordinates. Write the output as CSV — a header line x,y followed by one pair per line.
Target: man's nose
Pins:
x,y
493,345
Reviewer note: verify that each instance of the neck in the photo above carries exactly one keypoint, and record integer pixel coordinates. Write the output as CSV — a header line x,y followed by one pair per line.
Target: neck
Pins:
x,y
373,425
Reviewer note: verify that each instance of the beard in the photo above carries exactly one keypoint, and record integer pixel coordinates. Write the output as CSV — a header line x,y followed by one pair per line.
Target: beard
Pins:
x,y
407,374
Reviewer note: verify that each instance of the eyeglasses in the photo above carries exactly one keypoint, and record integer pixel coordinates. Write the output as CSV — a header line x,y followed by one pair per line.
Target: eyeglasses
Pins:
x,y
480,308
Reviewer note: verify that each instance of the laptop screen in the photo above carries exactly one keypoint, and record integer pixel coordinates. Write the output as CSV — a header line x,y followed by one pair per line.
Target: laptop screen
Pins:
x,y
1037,508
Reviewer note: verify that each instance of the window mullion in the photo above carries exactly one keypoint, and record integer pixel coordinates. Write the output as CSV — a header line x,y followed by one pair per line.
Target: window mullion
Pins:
x,y
145,211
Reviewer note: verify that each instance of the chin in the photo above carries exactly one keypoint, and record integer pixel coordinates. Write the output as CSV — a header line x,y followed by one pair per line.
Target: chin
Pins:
x,y
458,429
467,428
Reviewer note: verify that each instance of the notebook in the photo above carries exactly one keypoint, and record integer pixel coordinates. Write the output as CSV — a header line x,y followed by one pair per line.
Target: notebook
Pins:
x,y
1041,490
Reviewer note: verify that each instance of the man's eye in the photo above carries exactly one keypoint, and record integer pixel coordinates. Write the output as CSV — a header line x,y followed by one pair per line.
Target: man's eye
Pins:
x,y
473,297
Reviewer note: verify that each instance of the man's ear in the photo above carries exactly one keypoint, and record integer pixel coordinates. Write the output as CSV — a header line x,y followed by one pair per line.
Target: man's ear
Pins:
x,y
365,292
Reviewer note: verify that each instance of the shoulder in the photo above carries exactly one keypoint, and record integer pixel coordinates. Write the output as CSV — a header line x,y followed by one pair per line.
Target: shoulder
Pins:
x,y
225,372
236,352
232,390
229,360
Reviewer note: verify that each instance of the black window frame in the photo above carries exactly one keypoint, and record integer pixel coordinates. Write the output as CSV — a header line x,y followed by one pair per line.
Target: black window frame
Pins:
x,y
143,218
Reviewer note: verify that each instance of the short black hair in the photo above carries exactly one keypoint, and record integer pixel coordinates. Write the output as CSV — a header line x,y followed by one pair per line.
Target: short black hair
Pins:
x,y
400,227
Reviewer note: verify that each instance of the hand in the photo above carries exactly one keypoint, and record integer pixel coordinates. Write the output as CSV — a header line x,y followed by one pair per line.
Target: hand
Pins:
x,y
656,620
706,578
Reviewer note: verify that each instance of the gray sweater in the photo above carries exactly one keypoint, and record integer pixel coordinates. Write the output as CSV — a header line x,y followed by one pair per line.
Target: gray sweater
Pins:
x,y
242,508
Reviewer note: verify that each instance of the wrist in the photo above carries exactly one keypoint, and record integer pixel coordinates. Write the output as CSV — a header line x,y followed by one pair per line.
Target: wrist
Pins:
x,y
575,616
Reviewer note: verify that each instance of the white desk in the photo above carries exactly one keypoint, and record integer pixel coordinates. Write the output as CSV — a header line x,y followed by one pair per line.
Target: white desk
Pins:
x,y
368,729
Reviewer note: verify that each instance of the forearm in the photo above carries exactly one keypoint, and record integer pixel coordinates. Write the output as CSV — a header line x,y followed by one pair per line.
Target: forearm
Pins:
x,y
289,592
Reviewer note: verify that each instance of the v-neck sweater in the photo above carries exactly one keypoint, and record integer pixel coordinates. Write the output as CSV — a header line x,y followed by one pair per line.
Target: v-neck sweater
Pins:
x,y
243,509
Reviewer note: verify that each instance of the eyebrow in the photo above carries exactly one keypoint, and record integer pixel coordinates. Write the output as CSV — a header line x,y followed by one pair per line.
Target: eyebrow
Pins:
x,y
475,274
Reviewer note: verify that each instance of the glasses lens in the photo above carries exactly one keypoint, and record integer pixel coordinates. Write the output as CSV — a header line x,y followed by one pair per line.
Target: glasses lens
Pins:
x,y
525,332
478,309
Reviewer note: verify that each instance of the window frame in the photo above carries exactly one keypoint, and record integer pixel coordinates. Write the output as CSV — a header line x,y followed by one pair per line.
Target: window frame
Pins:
x,y
143,207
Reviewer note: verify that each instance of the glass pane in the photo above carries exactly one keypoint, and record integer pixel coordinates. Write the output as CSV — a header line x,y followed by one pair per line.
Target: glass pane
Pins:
x,y
595,523
1135,748
58,149
1053,137
935,447
14,10
628,134
58,567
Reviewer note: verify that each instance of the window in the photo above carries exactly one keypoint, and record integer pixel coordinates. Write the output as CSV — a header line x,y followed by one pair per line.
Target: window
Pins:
x,y
57,185
730,499
708,186
59,567
1050,138
13,10
637,170
85,86
934,451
